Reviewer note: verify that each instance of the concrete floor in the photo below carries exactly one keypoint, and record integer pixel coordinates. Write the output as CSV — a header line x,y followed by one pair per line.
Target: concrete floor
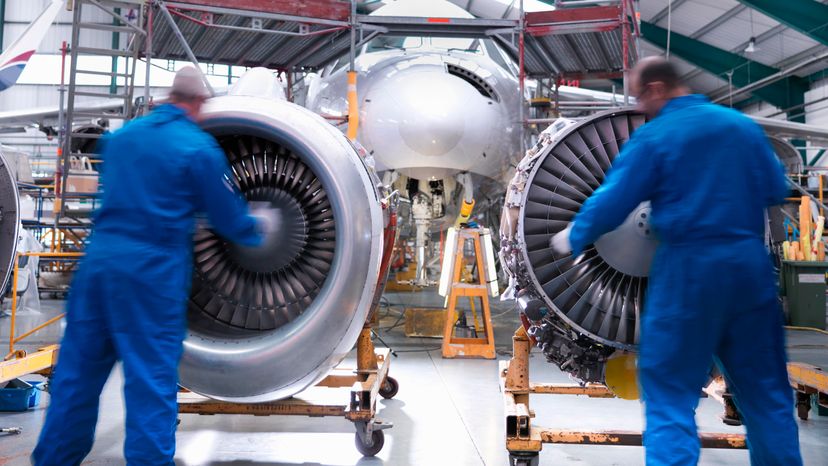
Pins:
x,y
447,412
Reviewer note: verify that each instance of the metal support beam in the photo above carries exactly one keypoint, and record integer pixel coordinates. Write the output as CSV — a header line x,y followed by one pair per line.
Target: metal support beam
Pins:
x,y
782,74
784,93
718,21
806,16
663,13
817,157
2,22
166,13
739,49
116,42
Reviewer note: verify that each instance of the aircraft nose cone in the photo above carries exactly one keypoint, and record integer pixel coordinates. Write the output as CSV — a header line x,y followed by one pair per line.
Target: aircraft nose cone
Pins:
x,y
429,111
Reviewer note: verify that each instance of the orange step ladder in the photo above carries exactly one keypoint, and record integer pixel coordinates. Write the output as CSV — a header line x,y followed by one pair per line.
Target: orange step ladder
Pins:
x,y
482,345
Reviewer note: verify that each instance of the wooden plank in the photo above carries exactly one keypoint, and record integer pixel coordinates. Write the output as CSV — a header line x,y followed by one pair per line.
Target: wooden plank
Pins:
x,y
573,15
424,322
339,10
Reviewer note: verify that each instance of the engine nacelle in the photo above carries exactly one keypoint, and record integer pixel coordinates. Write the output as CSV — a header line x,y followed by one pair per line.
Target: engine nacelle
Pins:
x,y
265,323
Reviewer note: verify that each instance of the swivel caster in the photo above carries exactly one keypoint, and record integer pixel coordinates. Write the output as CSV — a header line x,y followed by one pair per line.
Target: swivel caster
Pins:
x,y
377,442
389,388
803,405
731,415
524,458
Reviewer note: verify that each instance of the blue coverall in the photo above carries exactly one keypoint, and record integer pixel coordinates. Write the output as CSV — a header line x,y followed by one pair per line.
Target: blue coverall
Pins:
x,y
709,174
128,298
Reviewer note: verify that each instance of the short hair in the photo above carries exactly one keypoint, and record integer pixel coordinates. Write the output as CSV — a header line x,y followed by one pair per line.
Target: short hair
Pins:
x,y
188,85
659,69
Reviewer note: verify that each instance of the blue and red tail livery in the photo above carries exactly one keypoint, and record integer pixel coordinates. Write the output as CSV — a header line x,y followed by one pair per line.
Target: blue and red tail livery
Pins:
x,y
17,55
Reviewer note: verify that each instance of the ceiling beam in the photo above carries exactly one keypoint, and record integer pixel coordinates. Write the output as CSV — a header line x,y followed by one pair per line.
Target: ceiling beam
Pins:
x,y
806,16
739,49
731,13
792,60
784,93
673,4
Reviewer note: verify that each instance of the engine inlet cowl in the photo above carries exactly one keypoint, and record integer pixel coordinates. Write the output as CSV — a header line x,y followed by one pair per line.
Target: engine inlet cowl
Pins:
x,y
265,323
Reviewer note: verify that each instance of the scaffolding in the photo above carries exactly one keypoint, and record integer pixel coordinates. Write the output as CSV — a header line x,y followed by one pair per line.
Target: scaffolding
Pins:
x,y
294,36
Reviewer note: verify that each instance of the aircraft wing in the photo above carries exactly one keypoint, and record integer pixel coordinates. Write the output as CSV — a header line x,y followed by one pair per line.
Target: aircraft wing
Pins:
x,y
48,116
790,129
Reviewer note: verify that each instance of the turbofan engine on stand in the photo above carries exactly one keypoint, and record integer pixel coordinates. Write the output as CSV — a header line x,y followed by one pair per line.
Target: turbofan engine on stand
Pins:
x,y
268,322
578,310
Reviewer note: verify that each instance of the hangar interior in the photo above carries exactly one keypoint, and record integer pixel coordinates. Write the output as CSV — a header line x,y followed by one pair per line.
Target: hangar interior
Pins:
x,y
422,155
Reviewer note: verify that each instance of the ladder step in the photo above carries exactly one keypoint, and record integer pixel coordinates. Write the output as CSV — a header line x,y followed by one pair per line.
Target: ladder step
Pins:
x,y
86,136
116,4
82,154
117,116
103,73
103,95
107,27
105,52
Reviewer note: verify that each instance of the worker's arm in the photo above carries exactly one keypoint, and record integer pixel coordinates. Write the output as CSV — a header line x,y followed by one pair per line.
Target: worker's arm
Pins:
x,y
772,171
629,182
218,197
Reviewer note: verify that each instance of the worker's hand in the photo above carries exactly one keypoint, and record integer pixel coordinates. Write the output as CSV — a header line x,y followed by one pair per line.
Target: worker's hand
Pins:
x,y
560,242
266,219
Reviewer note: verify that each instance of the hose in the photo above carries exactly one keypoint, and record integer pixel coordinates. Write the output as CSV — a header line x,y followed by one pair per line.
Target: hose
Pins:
x,y
812,329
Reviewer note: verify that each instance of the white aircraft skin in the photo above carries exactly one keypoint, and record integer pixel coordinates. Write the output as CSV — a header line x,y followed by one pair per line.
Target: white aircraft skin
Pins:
x,y
421,116
433,111
14,59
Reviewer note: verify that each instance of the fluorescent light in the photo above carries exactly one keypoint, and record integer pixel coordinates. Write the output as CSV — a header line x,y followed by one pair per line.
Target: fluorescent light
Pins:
x,y
751,47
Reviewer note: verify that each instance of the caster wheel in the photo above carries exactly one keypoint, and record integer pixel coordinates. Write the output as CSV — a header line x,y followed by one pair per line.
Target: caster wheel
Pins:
x,y
524,459
379,440
389,388
802,409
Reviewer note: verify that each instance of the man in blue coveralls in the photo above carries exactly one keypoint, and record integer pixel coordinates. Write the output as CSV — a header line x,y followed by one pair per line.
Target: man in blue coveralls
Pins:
x,y
709,174
128,299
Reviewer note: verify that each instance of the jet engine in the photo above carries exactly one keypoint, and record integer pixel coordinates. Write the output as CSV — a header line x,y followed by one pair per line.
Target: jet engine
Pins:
x,y
9,220
578,310
581,310
265,323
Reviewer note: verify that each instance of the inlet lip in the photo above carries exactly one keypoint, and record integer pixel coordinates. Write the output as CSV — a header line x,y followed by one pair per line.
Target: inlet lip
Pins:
x,y
248,366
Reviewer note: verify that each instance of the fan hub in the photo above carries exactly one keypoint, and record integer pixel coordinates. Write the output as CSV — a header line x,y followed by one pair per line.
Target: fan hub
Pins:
x,y
282,246
630,247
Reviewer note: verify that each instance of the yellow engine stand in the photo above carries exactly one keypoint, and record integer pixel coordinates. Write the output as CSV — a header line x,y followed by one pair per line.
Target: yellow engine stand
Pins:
x,y
480,347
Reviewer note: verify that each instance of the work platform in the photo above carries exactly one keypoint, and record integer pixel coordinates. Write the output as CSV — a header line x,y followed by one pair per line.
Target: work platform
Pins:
x,y
348,393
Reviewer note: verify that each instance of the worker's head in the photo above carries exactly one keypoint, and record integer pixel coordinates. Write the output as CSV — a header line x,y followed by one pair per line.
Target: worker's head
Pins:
x,y
654,82
188,91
